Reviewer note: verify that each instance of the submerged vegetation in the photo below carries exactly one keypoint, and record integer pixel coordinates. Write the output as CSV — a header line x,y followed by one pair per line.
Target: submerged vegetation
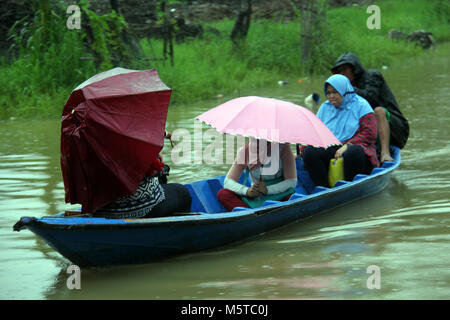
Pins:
x,y
50,59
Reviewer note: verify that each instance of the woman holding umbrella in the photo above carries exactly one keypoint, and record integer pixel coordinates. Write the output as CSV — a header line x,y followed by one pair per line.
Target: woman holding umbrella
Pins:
x,y
353,122
273,175
112,131
276,185
151,199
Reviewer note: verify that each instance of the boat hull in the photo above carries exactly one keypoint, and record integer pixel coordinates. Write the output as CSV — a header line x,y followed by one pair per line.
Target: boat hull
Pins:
x,y
98,242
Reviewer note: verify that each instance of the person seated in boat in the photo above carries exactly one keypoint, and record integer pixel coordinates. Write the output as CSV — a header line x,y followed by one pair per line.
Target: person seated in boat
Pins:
x,y
271,167
393,127
353,122
153,198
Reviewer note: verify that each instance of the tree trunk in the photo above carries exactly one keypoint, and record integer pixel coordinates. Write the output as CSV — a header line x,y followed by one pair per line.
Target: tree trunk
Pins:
x,y
242,24
168,33
132,46
313,19
90,39
308,17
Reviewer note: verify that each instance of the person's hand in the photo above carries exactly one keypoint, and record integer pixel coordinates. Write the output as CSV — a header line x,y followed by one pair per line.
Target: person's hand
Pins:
x,y
168,136
262,188
340,152
386,157
253,191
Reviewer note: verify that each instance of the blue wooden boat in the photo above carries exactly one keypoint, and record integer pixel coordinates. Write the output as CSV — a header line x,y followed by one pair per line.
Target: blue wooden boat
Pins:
x,y
89,241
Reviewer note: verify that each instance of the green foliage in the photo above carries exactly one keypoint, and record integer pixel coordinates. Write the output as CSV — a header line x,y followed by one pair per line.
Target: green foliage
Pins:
x,y
48,65
205,68
200,72
48,61
347,31
275,47
107,43
46,50
314,40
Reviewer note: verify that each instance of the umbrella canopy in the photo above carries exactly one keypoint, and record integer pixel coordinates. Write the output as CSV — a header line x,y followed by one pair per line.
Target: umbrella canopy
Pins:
x,y
270,119
112,130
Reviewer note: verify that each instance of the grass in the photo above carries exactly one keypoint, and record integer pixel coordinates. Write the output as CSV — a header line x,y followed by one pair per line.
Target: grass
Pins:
x,y
38,83
204,70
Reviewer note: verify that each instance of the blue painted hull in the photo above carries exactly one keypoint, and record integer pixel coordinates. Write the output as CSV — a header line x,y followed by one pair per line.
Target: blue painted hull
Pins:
x,y
88,241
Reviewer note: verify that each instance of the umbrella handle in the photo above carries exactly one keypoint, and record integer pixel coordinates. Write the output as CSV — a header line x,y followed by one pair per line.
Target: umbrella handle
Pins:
x,y
171,142
168,135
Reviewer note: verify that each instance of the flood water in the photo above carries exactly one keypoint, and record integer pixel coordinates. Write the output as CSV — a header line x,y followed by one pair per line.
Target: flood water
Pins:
x,y
402,230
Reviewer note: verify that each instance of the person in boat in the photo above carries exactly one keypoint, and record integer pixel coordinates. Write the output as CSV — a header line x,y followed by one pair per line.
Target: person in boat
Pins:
x,y
153,197
353,122
393,128
272,172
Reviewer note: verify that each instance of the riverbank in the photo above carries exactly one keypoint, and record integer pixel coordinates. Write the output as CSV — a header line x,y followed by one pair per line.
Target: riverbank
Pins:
x,y
210,67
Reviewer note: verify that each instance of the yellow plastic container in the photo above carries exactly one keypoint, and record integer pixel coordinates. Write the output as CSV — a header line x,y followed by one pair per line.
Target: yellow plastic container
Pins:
x,y
336,171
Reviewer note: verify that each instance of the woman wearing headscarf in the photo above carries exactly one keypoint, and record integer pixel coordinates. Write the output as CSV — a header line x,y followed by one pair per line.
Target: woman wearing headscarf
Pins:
x,y
393,127
353,122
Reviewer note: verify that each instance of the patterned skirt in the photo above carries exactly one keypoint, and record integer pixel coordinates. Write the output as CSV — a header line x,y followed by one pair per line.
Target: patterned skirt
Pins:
x,y
148,194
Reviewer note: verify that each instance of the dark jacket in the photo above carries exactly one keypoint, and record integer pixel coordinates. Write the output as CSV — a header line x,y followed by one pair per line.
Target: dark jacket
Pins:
x,y
371,85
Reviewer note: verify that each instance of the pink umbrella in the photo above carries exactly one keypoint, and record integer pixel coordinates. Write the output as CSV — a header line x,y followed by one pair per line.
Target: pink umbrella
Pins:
x,y
270,119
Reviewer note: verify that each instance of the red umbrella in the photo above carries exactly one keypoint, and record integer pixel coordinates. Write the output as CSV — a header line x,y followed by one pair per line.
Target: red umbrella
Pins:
x,y
112,130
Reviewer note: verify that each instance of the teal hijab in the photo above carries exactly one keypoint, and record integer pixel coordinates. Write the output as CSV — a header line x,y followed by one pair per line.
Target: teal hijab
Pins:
x,y
343,120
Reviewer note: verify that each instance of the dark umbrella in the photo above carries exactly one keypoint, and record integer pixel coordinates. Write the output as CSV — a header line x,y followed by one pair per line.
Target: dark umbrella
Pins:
x,y
112,129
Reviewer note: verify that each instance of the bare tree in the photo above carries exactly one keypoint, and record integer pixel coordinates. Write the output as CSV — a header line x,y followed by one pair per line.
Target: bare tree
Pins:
x,y
167,31
132,45
242,23
313,22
